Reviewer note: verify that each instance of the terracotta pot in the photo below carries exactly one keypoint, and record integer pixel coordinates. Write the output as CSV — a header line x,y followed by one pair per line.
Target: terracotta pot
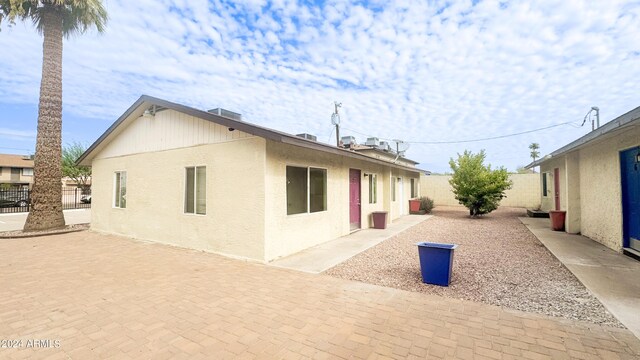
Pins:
x,y
557,219
414,205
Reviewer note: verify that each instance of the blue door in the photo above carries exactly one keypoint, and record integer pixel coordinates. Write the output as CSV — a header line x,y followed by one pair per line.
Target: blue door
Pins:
x,y
630,175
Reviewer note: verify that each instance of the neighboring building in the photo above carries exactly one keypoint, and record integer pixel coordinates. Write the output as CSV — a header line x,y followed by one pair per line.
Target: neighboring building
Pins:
x,y
596,180
69,183
16,171
173,174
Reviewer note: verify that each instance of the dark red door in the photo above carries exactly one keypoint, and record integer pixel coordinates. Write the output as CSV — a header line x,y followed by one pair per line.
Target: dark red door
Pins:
x,y
556,186
354,198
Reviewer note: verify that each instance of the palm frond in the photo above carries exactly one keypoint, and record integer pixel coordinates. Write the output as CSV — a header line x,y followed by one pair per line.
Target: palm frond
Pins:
x,y
78,16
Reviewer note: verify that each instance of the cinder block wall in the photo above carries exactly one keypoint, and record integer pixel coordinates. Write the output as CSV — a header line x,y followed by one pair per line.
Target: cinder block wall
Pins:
x,y
524,193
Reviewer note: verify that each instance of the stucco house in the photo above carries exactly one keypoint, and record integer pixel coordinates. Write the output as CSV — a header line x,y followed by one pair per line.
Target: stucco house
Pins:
x,y
596,180
16,171
206,180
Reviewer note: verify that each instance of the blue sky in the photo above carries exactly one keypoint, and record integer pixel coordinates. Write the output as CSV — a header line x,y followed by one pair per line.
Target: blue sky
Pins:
x,y
420,71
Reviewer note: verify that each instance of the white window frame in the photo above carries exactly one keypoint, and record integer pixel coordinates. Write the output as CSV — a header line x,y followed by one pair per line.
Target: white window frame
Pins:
x,y
373,199
393,188
195,192
119,191
25,174
308,212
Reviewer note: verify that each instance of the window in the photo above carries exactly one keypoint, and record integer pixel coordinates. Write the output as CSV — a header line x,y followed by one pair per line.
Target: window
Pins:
x,y
414,188
195,193
306,190
373,188
27,172
120,189
317,190
544,184
393,189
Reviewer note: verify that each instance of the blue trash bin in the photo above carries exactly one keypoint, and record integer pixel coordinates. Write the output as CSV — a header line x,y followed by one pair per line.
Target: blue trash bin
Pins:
x,y
436,261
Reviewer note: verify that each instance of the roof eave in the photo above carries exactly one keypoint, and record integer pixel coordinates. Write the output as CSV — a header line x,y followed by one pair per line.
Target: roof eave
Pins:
x,y
145,101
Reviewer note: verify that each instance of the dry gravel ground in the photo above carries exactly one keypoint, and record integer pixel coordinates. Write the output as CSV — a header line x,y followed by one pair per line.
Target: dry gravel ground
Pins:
x,y
498,261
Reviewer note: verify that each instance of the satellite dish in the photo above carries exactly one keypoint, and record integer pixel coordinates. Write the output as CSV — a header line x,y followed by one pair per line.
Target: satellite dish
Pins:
x,y
400,146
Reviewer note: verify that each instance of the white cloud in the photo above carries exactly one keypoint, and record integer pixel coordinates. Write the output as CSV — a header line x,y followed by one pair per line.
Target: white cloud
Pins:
x,y
415,70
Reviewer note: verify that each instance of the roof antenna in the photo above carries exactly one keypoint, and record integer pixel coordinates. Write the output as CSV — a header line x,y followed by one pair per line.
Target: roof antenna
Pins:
x,y
335,120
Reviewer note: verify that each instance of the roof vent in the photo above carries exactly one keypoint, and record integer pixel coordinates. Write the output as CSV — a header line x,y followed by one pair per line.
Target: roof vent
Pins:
x,y
308,136
226,113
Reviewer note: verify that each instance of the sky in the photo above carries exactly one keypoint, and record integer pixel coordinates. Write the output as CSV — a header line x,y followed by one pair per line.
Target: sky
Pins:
x,y
423,72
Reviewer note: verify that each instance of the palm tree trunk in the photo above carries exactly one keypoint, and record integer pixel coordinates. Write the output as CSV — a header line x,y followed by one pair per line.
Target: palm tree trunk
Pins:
x,y
46,198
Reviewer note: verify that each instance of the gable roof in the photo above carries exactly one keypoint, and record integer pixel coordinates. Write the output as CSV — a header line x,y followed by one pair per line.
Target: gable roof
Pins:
x,y
146,102
17,161
622,122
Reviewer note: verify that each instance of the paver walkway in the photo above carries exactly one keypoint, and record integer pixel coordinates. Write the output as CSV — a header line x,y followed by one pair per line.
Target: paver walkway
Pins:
x,y
105,296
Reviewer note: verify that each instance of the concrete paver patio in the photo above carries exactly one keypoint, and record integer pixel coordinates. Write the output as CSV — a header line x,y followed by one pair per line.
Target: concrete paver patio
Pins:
x,y
106,296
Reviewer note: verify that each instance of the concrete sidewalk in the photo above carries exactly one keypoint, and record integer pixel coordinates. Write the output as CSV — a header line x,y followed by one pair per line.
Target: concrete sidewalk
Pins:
x,y
325,256
15,221
612,277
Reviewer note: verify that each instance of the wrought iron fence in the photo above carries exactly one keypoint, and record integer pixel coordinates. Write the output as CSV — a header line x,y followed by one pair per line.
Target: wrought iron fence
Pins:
x,y
18,200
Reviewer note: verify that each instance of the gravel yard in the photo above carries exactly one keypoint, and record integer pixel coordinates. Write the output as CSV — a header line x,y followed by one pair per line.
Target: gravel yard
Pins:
x,y
498,262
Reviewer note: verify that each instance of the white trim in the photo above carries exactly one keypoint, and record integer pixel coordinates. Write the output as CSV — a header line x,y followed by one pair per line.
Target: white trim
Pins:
x,y
113,199
308,167
195,197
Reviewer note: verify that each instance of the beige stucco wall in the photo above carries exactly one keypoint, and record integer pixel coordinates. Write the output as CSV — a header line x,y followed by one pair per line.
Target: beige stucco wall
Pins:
x,y
524,193
548,202
287,234
234,220
590,188
600,188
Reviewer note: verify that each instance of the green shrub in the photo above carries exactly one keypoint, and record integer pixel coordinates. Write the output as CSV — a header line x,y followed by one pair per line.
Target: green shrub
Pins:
x,y
426,204
475,185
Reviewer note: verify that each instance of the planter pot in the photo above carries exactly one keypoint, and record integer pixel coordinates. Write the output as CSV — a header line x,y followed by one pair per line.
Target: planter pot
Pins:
x,y
379,219
557,219
414,206
436,261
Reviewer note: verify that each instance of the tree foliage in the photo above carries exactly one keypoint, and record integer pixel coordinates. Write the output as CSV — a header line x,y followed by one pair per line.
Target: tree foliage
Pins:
x,y
476,186
534,151
80,174
77,16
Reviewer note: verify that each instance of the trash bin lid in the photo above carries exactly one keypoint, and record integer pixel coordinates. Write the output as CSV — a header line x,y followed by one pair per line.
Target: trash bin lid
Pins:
x,y
438,246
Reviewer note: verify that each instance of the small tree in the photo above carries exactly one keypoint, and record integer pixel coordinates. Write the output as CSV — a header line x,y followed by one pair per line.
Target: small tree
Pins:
x,y
475,185
80,174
